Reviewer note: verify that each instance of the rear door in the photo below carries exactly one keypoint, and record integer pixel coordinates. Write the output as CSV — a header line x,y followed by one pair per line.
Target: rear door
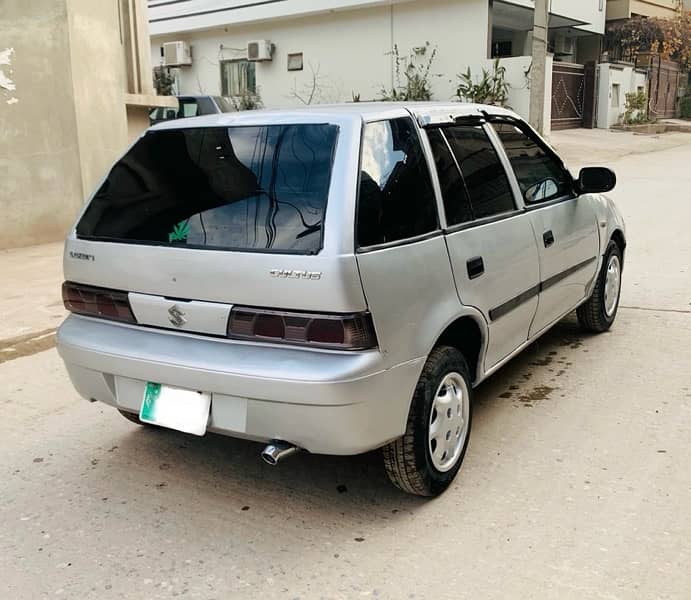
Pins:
x,y
565,224
401,251
489,237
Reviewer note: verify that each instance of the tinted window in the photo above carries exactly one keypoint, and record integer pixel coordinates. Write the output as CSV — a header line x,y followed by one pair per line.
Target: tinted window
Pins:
x,y
539,175
396,198
206,106
241,187
188,107
484,175
456,201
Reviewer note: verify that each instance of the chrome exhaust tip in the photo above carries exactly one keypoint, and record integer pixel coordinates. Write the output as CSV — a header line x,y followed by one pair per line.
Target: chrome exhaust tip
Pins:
x,y
276,451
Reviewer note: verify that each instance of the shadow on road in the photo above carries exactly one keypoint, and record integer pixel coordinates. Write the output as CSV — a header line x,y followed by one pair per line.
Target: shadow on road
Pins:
x,y
337,487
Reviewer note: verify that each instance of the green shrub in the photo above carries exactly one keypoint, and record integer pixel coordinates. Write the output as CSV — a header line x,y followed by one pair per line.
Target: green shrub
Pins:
x,y
686,107
412,75
636,108
491,88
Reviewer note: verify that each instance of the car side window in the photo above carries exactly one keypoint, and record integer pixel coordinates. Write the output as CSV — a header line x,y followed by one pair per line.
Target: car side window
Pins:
x,y
483,173
188,108
396,199
540,176
454,193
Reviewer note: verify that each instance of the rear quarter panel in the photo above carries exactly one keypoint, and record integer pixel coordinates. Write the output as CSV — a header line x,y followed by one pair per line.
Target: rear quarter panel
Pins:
x,y
411,293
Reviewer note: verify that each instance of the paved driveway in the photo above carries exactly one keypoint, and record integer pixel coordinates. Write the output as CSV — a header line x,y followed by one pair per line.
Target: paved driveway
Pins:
x,y
576,483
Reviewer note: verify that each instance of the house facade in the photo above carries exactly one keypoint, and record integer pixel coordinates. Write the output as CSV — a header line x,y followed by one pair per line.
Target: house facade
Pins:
x,y
626,9
334,50
75,89
617,77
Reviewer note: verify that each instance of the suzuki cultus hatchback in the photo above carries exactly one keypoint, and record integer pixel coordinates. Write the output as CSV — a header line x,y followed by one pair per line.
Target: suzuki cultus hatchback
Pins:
x,y
332,279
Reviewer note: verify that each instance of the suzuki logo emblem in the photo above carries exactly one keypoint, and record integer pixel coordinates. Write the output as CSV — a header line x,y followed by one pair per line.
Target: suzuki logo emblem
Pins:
x,y
177,316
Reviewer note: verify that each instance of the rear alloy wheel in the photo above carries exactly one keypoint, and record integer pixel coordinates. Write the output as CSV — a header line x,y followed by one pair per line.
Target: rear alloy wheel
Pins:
x,y
428,456
598,313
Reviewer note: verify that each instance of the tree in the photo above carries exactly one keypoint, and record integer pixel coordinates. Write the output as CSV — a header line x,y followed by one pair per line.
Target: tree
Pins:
x,y
669,38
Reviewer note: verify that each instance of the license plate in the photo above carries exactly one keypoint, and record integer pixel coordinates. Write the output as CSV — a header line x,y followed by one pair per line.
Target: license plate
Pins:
x,y
175,408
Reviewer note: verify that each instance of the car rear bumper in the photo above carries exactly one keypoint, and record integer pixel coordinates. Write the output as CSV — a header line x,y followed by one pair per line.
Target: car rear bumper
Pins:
x,y
324,402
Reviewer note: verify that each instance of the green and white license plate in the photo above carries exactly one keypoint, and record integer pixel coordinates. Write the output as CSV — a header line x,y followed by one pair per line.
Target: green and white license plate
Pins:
x,y
175,408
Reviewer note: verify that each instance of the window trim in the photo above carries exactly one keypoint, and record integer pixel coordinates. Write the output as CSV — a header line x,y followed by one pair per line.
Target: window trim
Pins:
x,y
423,237
438,231
451,229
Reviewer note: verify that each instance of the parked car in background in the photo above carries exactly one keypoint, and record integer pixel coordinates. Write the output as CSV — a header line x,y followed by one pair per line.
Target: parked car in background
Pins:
x,y
192,106
333,279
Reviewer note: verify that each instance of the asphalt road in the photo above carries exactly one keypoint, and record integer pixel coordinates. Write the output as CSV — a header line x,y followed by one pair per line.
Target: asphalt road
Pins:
x,y
577,482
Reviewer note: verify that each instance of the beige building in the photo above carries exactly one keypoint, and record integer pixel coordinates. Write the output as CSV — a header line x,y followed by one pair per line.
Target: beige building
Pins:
x,y
75,87
625,9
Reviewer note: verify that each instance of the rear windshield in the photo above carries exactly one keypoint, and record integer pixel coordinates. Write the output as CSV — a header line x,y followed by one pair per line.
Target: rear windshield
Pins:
x,y
239,188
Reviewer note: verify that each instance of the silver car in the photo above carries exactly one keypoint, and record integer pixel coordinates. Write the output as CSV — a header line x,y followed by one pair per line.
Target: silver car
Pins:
x,y
332,279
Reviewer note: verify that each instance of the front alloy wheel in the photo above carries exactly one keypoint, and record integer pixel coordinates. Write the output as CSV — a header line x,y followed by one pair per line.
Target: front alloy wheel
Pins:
x,y
598,313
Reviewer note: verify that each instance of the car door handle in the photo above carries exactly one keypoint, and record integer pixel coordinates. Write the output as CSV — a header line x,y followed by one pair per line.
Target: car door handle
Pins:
x,y
548,238
476,267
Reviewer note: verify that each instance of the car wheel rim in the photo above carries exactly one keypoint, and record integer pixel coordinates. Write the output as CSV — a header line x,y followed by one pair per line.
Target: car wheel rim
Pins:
x,y
448,422
612,285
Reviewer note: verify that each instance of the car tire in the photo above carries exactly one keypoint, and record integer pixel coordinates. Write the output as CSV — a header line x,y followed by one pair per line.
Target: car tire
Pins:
x,y
598,313
130,416
426,459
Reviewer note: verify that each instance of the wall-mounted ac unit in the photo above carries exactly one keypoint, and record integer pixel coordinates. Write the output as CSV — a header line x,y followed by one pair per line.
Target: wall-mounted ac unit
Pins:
x,y
176,54
259,50
564,45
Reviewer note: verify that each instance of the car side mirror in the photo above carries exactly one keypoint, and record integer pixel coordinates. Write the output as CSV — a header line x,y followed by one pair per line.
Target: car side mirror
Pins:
x,y
542,190
596,180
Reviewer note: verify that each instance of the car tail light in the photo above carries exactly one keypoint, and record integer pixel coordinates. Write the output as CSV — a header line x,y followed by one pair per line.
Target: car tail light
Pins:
x,y
97,302
338,332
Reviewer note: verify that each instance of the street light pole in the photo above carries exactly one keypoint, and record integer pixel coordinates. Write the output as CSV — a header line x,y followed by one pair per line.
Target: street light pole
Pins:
x,y
539,68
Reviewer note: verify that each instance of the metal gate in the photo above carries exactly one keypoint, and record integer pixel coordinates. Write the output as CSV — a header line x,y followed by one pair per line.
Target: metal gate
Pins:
x,y
568,95
664,79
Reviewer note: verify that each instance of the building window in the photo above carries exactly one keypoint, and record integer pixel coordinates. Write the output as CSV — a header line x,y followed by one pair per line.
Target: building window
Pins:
x,y
238,78
295,62
502,49
615,95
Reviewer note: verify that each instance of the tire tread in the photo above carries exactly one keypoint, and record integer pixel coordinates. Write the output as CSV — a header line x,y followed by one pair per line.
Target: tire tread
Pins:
x,y
400,457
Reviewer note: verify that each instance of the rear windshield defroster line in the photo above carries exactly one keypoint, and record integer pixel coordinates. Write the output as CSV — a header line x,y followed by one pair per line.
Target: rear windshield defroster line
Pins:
x,y
253,188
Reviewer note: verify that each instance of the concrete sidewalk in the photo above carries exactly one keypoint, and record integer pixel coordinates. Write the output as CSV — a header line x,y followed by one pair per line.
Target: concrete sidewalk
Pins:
x,y
31,301
32,304
581,147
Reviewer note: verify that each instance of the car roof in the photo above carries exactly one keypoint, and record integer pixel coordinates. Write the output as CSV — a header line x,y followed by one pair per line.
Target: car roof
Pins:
x,y
425,112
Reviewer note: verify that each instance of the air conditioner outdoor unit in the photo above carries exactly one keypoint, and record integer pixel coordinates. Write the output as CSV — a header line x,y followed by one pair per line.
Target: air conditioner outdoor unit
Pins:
x,y
176,54
259,50
564,45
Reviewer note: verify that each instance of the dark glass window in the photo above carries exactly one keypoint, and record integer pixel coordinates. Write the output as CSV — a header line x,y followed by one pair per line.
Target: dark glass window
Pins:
x,y
243,188
456,201
396,199
540,176
484,175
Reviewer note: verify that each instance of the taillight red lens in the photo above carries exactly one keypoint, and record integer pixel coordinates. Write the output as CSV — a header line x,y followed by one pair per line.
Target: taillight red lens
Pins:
x,y
97,302
339,332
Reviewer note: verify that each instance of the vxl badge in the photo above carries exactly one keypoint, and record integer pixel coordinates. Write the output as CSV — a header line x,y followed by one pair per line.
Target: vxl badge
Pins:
x,y
290,274
177,316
